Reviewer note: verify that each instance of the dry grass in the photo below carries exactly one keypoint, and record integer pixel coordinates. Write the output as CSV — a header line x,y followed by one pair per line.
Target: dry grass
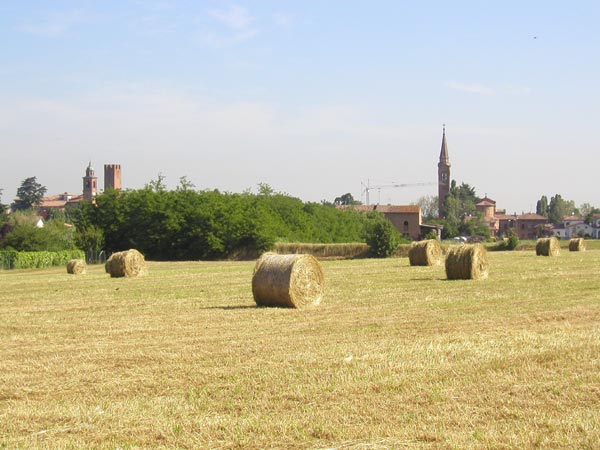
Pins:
x,y
324,251
395,357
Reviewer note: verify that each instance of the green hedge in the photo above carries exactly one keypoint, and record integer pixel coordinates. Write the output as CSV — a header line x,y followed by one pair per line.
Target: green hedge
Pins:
x,y
37,260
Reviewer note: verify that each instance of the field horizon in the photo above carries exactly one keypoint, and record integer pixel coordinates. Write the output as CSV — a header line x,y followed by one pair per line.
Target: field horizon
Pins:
x,y
394,357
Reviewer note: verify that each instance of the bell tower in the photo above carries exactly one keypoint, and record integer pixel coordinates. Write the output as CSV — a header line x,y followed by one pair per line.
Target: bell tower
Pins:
x,y
90,183
443,176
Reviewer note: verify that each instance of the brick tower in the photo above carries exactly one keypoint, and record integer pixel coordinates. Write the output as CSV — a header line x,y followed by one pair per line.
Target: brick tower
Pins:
x,y
443,176
112,177
90,183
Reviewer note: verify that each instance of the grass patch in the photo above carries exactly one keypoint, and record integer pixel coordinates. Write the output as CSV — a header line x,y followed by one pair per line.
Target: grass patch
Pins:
x,y
395,357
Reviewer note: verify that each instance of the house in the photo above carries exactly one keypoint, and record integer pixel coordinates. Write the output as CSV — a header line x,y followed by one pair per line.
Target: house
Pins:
x,y
487,207
575,226
526,225
58,202
405,218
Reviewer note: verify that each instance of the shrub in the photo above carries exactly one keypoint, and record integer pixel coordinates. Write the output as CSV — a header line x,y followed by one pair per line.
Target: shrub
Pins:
x,y
382,238
39,260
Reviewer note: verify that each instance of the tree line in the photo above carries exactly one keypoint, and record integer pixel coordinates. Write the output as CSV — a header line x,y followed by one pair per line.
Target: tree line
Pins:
x,y
187,224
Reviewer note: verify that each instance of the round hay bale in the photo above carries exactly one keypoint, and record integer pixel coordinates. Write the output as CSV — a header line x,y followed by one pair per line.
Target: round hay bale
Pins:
x,y
129,263
467,262
292,281
577,245
76,266
425,253
547,247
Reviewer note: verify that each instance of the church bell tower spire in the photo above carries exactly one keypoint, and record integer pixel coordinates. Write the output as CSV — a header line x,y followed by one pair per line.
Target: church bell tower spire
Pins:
x,y
443,175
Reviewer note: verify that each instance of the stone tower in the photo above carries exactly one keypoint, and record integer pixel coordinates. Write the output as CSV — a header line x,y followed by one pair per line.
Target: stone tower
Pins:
x,y
443,176
112,177
90,183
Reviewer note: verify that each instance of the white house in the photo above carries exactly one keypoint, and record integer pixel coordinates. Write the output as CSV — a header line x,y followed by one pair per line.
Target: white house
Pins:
x,y
575,226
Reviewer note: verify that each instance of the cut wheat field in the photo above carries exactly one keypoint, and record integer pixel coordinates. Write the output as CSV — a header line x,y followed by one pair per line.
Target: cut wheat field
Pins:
x,y
394,357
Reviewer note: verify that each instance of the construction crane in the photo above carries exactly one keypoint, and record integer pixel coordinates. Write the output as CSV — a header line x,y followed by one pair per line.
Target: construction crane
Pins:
x,y
367,188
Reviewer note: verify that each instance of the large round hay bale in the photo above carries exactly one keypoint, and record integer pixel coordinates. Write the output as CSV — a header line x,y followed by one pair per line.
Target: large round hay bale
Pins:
x,y
293,281
425,253
547,247
467,262
577,245
129,263
76,266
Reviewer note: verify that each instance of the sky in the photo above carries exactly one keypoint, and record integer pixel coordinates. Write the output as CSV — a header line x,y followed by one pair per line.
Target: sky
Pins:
x,y
315,98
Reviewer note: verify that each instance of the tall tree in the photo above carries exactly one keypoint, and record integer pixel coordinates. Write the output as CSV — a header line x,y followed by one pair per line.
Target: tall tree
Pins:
x,y
2,206
346,199
541,207
429,206
460,201
29,194
461,213
559,208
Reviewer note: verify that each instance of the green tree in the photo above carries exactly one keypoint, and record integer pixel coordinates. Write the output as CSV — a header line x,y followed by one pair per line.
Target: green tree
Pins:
x,y
265,189
559,208
462,216
587,211
89,239
541,207
185,184
429,206
381,236
22,234
2,206
157,185
346,199
29,194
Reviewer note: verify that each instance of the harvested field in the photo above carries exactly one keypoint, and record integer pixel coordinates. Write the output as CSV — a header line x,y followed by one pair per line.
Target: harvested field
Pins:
x,y
396,357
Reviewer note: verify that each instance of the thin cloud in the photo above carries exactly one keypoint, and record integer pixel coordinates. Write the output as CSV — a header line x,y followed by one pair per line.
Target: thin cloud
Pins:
x,y
237,22
211,39
282,19
235,17
470,88
55,25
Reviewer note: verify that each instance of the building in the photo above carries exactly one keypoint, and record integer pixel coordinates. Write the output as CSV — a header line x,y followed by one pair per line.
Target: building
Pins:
x,y
406,219
112,177
487,207
112,180
90,183
58,202
443,176
575,227
527,225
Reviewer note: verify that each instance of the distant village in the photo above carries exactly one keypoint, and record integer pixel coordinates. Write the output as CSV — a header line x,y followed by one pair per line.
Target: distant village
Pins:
x,y
407,219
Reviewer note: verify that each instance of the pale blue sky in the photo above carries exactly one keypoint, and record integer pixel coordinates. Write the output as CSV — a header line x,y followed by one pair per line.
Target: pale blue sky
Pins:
x,y
311,97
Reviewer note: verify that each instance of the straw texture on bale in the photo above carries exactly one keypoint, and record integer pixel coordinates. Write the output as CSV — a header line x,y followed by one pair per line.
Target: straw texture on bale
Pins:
x,y
293,281
547,247
577,245
129,263
467,262
425,253
76,266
